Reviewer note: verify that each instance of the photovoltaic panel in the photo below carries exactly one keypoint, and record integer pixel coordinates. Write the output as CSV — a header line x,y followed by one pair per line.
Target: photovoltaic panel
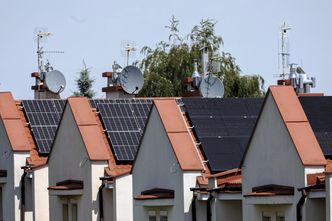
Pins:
x,y
44,117
124,120
223,126
319,113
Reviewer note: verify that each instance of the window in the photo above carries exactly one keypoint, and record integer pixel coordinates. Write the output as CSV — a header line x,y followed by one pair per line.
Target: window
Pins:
x,y
280,218
158,215
266,218
65,212
69,211
74,212
163,215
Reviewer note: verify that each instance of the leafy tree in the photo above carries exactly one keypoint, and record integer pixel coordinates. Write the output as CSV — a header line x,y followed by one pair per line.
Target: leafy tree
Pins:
x,y
170,61
84,83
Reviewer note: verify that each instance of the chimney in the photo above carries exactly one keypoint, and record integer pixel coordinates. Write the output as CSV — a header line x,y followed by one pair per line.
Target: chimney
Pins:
x,y
114,90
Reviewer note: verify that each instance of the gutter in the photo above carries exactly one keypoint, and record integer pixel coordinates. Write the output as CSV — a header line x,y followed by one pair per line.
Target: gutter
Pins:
x,y
300,204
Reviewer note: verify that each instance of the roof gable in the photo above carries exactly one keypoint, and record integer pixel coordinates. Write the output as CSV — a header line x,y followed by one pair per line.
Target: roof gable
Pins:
x,y
90,132
298,125
13,123
178,134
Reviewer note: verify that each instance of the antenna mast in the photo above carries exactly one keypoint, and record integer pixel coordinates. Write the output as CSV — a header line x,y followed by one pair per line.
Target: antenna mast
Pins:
x,y
284,50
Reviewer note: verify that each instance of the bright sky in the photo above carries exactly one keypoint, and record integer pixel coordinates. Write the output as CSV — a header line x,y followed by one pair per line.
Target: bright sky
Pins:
x,y
94,31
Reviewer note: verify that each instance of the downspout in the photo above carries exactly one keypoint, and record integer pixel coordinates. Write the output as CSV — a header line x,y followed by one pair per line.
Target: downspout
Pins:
x,y
193,208
208,207
23,192
300,204
101,200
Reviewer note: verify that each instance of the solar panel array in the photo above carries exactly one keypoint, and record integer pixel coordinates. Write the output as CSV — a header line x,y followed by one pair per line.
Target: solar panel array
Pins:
x,y
124,120
223,126
44,117
319,114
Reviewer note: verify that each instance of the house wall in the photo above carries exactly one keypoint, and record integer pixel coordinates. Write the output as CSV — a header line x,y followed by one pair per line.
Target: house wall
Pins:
x,y
11,188
123,198
156,167
40,194
229,210
97,171
69,160
271,159
315,209
108,204
189,181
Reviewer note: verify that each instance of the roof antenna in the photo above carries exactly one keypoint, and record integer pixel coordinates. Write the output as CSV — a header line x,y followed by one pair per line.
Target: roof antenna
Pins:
x,y
49,82
284,50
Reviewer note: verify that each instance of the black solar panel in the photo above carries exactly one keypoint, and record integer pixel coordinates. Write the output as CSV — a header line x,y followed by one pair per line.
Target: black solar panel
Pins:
x,y
223,126
124,120
319,113
44,117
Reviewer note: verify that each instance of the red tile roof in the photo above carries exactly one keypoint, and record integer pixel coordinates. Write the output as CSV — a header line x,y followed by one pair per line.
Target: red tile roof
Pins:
x,y
297,124
13,123
178,134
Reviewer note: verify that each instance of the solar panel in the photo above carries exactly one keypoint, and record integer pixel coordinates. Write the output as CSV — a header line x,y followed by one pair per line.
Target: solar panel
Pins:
x,y
223,126
124,120
44,117
319,113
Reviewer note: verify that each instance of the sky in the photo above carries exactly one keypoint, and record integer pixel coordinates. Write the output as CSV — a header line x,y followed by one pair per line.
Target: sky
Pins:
x,y
95,31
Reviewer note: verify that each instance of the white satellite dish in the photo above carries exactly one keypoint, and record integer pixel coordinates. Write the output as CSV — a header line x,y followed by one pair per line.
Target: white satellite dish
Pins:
x,y
212,87
131,79
55,81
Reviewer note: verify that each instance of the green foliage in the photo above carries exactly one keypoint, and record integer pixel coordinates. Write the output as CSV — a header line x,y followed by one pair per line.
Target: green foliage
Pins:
x,y
84,83
170,61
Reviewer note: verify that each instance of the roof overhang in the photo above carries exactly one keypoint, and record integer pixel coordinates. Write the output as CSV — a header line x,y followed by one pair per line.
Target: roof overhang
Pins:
x,y
155,197
270,194
67,188
3,176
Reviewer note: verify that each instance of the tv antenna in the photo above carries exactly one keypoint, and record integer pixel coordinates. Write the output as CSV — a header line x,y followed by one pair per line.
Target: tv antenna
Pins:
x,y
128,49
53,80
284,50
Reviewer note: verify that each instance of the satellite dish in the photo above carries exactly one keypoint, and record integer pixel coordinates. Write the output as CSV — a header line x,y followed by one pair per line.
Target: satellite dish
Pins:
x,y
131,79
211,87
55,81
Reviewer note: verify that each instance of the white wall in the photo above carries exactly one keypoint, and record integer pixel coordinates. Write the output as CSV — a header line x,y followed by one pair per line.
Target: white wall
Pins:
x,y
40,200
123,198
271,159
189,181
97,171
156,167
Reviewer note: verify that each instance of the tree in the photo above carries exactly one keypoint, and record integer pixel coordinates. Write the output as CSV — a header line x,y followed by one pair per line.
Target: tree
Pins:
x,y
84,83
170,61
